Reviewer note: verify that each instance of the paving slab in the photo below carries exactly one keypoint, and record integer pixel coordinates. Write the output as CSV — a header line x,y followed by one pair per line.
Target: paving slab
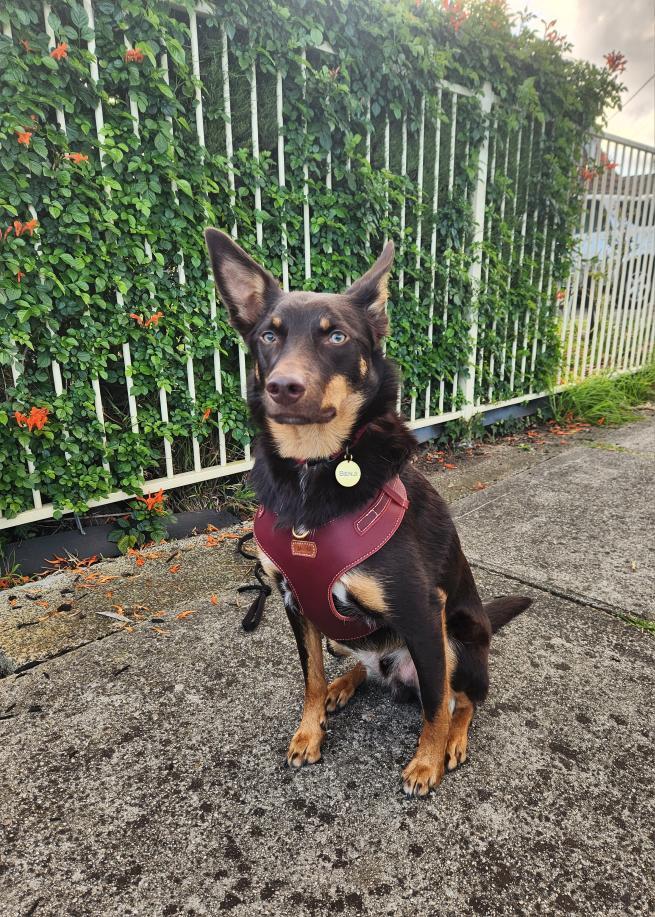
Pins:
x,y
582,521
64,611
637,437
142,776
488,464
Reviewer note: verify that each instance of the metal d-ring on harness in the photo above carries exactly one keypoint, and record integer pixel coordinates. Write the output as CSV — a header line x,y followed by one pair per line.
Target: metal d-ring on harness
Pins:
x,y
254,614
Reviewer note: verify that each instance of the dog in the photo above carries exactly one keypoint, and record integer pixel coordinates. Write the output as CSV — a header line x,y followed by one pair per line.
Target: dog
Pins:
x,y
321,390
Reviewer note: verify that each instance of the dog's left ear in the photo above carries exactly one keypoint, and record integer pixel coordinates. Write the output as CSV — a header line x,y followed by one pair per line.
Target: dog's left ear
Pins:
x,y
370,292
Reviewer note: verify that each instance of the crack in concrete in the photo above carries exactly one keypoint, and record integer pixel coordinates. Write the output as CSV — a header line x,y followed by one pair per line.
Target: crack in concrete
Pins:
x,y
575,597
35,663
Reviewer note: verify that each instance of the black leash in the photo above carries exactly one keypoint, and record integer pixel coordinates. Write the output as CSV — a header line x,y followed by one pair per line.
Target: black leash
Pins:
x,y
255,613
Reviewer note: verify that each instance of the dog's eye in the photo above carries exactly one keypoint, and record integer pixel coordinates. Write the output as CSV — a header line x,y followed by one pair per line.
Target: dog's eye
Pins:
x,y
268,337
338,337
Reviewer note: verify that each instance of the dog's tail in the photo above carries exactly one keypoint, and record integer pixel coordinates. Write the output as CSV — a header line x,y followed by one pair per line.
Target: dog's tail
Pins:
x,y
501,611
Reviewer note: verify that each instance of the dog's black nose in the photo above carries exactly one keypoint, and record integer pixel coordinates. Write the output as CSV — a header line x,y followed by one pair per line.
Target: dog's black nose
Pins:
x,y
285,389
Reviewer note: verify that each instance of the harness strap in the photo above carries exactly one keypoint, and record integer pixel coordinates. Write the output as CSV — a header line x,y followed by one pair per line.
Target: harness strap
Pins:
x,y
313,562
255,613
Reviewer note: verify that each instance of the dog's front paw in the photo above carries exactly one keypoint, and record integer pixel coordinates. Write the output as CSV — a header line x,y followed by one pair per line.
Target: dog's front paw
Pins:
x,y
421,775
305,746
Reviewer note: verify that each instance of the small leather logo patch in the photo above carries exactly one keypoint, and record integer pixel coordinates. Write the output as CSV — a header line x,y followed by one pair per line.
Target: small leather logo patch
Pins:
x,y
303,548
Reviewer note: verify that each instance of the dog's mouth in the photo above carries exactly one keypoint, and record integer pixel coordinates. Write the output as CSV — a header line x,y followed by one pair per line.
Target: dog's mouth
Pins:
x,y
298,419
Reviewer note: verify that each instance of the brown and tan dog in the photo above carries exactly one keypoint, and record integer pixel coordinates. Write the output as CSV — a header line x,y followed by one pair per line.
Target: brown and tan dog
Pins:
x,y
320,384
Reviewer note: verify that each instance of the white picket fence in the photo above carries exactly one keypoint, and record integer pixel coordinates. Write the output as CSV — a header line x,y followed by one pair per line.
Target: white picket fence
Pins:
x,y
606,310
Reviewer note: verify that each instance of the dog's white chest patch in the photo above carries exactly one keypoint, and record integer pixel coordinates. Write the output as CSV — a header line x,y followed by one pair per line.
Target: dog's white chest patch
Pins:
x,y
392,668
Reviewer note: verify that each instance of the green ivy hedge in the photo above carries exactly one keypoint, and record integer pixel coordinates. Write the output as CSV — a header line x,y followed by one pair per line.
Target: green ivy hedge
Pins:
x,y
97,234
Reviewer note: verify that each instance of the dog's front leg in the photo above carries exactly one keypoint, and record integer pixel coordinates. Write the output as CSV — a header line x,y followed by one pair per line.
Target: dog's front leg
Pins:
x,y
305,746
427,644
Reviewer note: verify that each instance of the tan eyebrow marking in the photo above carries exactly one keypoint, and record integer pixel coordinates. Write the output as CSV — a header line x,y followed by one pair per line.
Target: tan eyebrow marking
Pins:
x,y
276,321
325,323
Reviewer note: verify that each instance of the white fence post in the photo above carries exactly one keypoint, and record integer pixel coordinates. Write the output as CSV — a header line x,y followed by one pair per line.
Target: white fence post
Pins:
x,y
467,385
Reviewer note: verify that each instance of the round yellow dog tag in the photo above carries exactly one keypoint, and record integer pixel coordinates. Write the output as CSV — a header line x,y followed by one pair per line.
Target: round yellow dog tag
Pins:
x,y
348,473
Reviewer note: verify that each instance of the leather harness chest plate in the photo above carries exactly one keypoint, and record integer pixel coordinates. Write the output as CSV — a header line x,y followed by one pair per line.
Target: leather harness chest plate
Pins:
x,y
313,563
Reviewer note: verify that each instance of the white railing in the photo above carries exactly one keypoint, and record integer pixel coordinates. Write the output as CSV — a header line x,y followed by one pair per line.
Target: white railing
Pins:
x,y
609,309
606,313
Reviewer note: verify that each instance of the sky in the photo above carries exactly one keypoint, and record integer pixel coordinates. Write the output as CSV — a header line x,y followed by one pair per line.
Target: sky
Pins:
x,y
598,26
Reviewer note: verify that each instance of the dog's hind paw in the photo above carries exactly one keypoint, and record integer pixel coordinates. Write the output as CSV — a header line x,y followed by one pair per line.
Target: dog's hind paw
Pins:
x,y
341,690
456,751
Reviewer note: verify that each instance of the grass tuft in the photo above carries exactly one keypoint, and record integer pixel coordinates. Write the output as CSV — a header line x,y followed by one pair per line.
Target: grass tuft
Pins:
x,y
606,399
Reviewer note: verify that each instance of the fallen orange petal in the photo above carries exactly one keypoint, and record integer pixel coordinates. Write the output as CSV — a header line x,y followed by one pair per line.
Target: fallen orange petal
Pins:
x,y
214,600
174,568
184,614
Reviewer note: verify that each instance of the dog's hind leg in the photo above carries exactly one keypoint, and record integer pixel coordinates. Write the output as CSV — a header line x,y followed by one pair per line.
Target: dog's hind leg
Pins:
x,y
305,746
342,689
457,743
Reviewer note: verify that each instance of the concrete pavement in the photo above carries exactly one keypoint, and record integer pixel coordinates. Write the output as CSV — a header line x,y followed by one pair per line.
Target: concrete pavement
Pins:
x,y
142,769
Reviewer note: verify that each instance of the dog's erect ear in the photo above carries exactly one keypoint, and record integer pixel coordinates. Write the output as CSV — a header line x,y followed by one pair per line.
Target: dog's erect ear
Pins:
x,y
245,287
370,292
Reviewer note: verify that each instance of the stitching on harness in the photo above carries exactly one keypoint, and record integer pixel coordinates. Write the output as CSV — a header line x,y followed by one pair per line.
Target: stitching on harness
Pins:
x,y
373,511
303,548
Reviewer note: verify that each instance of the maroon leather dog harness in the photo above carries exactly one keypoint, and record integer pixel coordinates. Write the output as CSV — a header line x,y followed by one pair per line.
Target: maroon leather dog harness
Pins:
x,y
313,563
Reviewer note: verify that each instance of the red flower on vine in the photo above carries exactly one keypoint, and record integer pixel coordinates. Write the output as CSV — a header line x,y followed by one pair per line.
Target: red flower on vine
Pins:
x,y
134,56
24,137
615,61
606,162
77,158
60,51
206,414
153,501
37,419
25,44
20,275
19,228
561,295
154,319
456,13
